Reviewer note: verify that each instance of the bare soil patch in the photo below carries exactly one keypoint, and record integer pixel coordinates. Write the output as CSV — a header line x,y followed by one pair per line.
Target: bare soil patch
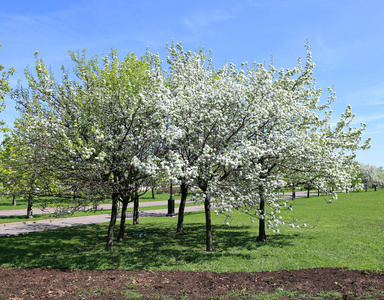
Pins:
x,y
40,283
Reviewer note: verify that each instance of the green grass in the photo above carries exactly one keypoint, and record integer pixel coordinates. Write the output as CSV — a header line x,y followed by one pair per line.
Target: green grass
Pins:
x,y
348,233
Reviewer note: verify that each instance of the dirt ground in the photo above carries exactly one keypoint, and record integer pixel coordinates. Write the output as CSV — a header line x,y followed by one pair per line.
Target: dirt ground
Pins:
x,y
117,284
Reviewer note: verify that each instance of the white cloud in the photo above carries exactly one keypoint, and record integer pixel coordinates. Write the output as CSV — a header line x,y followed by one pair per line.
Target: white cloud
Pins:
x,y
204,19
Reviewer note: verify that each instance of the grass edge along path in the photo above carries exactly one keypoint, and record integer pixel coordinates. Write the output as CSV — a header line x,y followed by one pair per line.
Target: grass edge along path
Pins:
x,y
52,216
21,203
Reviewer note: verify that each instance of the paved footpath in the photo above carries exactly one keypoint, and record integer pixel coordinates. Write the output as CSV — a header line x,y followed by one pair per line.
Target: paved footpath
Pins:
x,y
37,211
17,228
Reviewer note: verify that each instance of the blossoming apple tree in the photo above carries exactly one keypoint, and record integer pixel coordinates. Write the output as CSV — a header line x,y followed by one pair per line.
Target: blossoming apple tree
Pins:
x,y
290,139
207,116
242,134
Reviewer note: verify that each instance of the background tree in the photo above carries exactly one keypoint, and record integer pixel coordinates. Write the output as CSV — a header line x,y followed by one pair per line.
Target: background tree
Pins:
x,y
4,88
26,173
8,177
372,176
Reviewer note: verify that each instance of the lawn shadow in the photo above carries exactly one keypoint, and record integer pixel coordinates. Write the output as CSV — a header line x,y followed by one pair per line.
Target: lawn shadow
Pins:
x,y
159,248
44,249
151,245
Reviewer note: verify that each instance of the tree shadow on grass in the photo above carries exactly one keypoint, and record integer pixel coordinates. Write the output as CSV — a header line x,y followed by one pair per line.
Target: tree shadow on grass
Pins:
x,y
152,245
166,249
47,248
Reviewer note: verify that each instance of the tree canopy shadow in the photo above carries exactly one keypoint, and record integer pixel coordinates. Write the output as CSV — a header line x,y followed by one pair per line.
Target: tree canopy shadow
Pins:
x,y
146,246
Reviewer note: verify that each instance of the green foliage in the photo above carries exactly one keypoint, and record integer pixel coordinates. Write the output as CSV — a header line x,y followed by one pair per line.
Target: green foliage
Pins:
x,y
24,172
4,90
4,87
347,233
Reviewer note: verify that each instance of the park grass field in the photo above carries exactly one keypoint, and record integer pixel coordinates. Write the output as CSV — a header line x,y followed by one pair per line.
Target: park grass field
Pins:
x,y
346,234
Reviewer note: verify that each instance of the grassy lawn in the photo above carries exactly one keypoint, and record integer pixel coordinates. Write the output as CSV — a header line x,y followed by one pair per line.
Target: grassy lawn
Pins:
x,y
348,233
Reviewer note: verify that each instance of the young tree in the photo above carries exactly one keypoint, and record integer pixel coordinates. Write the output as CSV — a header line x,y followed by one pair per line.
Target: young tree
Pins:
x,y
290,142
104,127
206,117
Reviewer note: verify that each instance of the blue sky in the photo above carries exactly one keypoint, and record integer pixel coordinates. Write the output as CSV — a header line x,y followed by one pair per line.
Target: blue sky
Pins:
x,y
346,37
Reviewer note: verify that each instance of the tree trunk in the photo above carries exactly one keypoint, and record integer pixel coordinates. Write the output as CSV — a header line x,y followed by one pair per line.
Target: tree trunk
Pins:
x,y
122,219
183,201
112,222
14,200
293,193
29,208
318,193
136,208
153,192
208,223
375,188
308,192
262,235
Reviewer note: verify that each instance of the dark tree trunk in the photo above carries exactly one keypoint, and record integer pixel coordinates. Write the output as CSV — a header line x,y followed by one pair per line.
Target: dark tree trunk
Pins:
x,y
375,188
112,222
136,208
14,200
183,201
74,196
293,193
318,193
29,208
262,235
208,223
308,192
153,192
122,219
